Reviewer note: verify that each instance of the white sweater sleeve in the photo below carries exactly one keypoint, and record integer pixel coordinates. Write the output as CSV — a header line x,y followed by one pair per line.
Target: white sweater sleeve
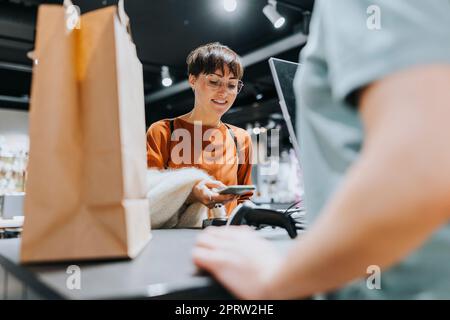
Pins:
x,y
167,192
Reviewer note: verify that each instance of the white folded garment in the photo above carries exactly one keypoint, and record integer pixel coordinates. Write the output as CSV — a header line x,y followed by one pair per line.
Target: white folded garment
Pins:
x,y
167,193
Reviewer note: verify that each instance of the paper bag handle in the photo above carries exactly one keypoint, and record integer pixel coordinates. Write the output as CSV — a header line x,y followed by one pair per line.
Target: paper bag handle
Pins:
x,y
123,17
67,3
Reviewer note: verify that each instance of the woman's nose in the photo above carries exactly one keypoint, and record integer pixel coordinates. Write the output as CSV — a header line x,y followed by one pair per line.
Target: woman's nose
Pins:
x,y
222,89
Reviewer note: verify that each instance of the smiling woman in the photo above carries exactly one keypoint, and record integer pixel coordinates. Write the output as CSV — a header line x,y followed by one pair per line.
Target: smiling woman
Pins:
x,y
221,150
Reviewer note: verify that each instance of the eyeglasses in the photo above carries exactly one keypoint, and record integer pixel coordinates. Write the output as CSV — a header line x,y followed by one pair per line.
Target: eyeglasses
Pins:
x,y
232,86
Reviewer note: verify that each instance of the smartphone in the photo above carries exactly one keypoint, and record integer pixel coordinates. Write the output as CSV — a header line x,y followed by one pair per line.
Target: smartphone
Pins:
x,y
238,189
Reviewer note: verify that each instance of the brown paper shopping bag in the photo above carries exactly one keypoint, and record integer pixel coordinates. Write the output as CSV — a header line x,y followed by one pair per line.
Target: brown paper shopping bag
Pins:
x,y
85,192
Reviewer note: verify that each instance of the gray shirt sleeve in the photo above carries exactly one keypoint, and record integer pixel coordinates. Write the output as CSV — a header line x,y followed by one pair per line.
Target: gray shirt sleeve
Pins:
x,y
411,33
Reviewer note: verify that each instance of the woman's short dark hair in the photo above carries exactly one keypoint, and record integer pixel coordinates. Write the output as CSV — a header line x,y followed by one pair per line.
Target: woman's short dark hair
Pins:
x,y
212,56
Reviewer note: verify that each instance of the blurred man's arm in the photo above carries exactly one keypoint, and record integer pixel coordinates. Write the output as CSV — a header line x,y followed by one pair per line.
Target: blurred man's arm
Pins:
x,y
396,194
393,198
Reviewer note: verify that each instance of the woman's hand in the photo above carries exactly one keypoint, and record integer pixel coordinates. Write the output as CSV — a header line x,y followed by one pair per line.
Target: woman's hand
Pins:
x,y
240,259
203,192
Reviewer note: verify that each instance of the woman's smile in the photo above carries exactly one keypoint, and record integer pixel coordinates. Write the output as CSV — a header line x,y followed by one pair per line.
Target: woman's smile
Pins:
x,y
220,102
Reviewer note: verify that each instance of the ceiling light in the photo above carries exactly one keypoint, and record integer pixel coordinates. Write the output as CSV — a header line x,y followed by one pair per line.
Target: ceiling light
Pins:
x,y
256,129
165,76
276,116
166,82
270,124
270,11
229,5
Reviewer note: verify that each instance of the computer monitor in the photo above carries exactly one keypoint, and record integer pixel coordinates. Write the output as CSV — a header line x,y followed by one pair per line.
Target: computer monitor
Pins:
x,y
283,73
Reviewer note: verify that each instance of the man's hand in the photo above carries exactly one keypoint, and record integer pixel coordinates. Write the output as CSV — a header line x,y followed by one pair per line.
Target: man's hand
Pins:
x,y
392,199
203,192
238,258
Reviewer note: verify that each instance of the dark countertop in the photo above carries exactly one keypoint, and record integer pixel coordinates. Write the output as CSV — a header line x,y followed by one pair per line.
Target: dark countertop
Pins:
x,y
164,269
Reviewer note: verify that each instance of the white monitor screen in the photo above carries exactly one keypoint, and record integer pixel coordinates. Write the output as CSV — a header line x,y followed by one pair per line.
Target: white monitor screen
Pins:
x,y
283,73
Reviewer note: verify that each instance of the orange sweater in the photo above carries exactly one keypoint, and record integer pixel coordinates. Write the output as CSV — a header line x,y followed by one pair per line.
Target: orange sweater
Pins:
x,y
210,149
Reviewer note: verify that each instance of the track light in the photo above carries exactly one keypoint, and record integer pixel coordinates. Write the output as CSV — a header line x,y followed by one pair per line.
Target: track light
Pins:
x,y
270,11
165,76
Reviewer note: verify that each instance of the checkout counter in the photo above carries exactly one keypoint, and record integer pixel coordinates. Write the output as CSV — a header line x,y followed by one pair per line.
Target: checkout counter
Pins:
x,y
163,270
